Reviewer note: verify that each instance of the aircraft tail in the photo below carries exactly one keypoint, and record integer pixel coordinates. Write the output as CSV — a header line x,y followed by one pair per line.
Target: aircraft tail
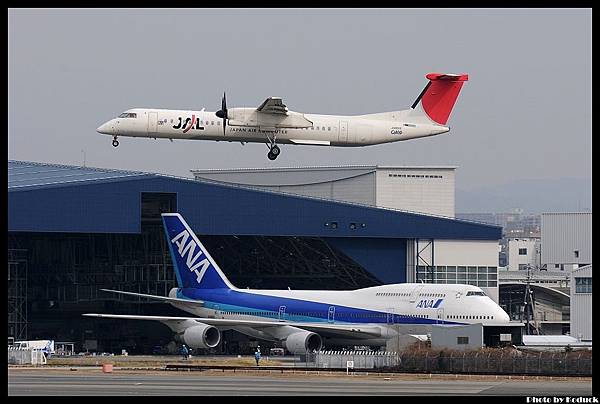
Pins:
x,y
194,267
440,94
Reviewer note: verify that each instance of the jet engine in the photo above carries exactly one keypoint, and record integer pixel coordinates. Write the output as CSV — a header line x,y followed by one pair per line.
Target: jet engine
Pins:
x,y
300,342
202,336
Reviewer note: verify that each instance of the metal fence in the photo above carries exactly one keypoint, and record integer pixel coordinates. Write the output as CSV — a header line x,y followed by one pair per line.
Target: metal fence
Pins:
x,y
359,359
25,356
577,363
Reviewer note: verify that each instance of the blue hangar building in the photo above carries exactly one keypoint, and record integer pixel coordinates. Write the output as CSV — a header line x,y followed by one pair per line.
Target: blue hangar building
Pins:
x,y
75,230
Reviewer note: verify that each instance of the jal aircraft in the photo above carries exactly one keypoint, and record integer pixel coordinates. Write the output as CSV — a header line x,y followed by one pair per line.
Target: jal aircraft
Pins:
x,y
272,123
303,320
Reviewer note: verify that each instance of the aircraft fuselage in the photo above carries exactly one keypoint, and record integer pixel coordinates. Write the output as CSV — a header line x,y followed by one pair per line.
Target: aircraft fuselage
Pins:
x,y
326,130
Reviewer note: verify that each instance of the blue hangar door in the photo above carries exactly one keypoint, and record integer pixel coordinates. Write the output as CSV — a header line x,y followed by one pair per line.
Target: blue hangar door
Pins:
x,y
384,258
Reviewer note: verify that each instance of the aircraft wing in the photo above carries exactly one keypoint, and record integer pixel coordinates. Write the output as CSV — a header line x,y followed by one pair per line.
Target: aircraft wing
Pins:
x,y
155,297
273,105
339,330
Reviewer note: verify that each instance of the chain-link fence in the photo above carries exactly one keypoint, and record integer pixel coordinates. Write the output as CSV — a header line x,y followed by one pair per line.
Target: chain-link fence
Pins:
x,y
485,361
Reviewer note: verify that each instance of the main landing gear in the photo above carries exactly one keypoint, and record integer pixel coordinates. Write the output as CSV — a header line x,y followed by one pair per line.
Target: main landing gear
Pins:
x,y
274,150
115,142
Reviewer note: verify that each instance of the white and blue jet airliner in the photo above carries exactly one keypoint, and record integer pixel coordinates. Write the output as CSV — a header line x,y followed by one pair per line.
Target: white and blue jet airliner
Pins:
x,y
303,319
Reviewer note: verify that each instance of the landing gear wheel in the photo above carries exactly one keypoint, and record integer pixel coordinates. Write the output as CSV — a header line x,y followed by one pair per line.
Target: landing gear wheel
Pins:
x,y
271,156
275,150
115,143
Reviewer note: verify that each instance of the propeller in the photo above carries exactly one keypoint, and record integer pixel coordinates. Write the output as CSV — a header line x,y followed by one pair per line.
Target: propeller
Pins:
x,y
222,113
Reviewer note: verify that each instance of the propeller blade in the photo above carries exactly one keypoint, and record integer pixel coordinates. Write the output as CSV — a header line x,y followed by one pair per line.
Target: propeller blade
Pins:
x,y
224,109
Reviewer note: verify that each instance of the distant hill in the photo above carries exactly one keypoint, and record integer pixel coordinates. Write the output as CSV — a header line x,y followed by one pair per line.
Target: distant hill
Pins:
x,y
533,196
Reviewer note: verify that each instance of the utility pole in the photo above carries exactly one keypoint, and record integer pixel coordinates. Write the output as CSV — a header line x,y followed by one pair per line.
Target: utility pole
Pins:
x,y
525,303
528,302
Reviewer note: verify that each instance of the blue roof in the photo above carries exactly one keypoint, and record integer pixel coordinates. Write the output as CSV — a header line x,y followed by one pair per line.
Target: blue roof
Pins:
x,y
27,175
59,198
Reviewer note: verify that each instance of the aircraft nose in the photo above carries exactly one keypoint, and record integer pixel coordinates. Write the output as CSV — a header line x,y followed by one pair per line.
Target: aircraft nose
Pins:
x,y
503,316
105,128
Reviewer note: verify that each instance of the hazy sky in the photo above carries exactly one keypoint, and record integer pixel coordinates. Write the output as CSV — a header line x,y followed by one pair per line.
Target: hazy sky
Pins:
x,y
524,113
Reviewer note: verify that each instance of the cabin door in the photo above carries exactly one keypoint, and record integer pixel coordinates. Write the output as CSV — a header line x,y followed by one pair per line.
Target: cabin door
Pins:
x,y
390,316
415,293
281,313
343,135
440,316
331,314
152,118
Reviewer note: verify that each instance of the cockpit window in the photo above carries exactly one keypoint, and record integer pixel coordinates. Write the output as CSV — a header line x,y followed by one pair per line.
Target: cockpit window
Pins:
x,y
128,115
475,294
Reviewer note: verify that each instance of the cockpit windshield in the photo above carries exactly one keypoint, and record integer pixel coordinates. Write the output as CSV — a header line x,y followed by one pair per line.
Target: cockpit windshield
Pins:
x,y
472,293
128,115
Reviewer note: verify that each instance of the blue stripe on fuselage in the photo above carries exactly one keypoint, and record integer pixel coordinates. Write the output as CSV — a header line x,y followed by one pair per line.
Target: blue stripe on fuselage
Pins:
x,y
238,301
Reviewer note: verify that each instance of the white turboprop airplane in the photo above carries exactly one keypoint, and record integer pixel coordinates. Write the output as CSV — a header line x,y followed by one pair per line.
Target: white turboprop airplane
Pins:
x,y
272,123
303,319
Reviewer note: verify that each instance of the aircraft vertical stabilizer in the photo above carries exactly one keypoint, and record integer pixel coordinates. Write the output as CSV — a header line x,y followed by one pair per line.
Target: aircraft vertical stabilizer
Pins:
x,y
440,94
194,267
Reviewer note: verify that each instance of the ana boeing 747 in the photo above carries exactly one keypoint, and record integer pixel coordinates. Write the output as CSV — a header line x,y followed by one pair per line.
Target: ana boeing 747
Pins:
x,y
303,320
272,123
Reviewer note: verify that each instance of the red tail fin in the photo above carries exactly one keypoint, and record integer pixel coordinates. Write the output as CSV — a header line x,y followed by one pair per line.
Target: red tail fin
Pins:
x,y
440,94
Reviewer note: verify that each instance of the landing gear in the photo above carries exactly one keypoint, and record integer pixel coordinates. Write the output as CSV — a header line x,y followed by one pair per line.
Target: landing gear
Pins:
x,y
115,142
274,152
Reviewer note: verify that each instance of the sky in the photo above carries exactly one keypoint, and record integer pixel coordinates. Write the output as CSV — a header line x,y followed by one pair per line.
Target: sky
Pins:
x,y
524,114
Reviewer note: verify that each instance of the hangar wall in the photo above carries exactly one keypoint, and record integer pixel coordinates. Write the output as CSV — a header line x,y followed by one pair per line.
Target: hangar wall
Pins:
x,y
423,189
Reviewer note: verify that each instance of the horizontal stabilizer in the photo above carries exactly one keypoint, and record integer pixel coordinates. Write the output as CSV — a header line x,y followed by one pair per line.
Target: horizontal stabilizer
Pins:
x,y
154,297
449,77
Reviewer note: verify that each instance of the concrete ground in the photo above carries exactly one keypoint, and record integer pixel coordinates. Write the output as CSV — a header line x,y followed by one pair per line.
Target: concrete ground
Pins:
x,y
91,381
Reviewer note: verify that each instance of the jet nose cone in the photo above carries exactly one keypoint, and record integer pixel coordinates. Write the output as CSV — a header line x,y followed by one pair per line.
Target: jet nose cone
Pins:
x,y
105,128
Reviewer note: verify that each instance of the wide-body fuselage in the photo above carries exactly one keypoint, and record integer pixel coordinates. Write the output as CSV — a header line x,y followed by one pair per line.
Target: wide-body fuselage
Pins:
x,y
329,130
405,308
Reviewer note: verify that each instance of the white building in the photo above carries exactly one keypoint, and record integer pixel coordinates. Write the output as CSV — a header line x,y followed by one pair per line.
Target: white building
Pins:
x,y
581,303
422,189
523,252
457,261
566,240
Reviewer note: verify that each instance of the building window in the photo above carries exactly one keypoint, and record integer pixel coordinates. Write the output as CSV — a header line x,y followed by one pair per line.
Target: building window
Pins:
x,y
576,252
462,340
583,285
522,267
522,251
556,265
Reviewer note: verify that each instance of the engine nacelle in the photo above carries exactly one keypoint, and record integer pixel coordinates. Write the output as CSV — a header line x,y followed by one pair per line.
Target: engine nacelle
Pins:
x,y
201,336
300,342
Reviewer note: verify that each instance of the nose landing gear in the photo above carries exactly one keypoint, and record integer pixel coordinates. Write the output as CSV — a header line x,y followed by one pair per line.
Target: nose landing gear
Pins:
x,y
115,142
